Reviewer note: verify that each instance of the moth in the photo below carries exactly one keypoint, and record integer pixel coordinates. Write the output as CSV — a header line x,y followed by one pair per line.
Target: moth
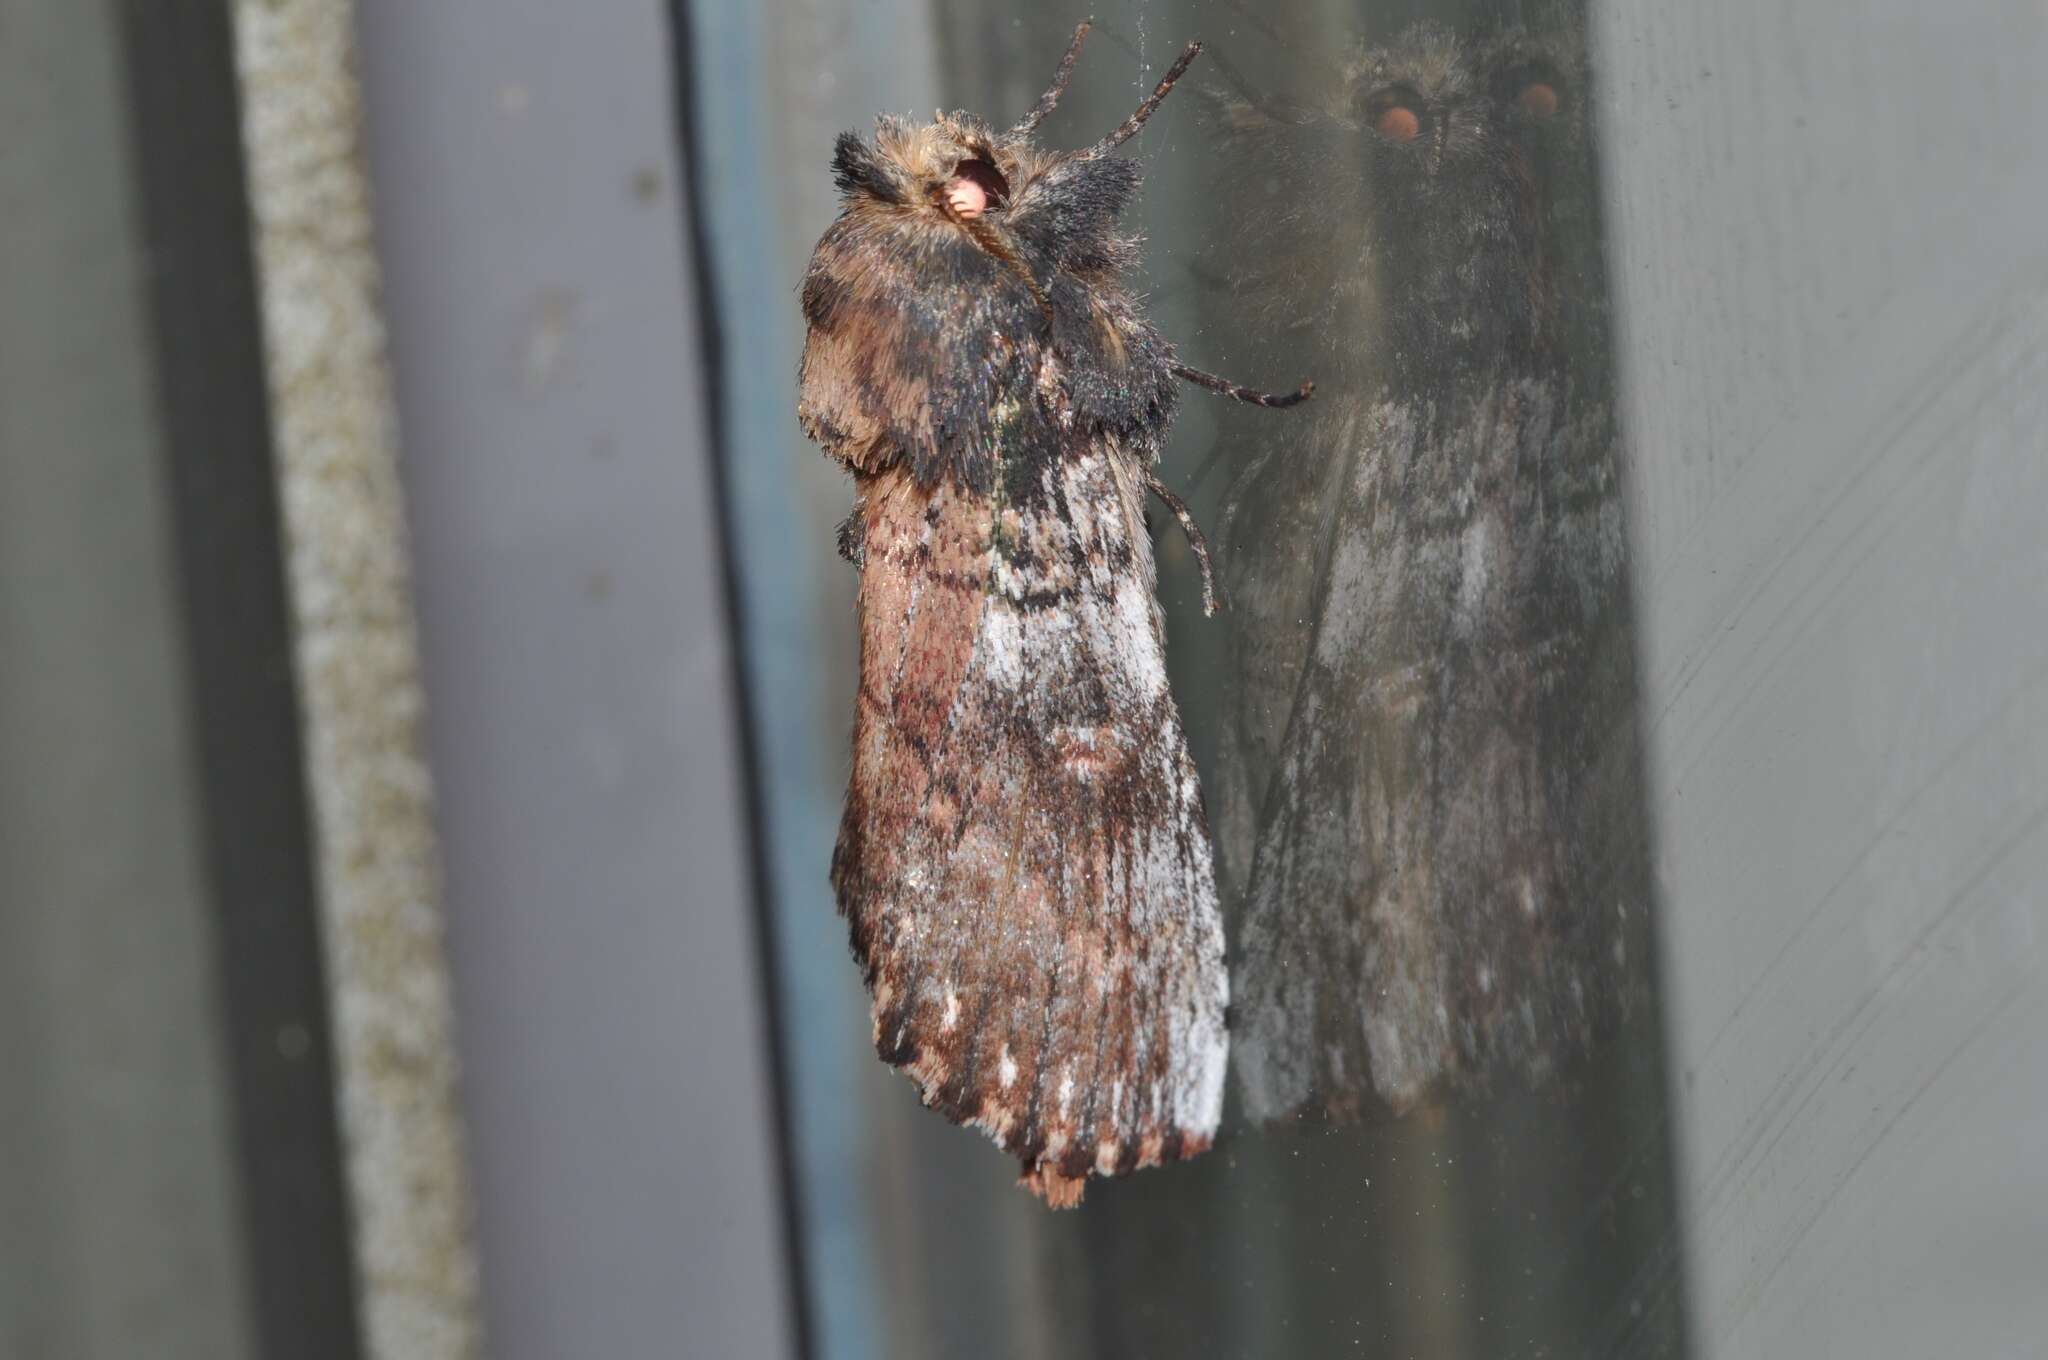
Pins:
x,y
1431,801
1024,861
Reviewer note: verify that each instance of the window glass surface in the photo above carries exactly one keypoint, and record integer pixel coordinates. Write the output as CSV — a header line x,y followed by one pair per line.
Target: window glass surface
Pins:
x,y
1417,719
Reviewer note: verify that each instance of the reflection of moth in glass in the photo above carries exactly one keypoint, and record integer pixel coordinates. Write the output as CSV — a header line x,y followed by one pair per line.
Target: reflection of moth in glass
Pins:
x,y
1431,788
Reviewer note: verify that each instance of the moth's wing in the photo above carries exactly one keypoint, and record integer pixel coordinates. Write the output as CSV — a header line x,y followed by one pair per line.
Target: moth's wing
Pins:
x,y
1445,875
1023,862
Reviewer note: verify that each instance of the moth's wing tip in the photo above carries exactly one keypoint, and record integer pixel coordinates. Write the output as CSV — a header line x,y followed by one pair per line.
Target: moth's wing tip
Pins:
x,y
1059,1191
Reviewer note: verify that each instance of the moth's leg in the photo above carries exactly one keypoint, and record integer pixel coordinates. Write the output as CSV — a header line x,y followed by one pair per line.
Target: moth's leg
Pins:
x,y
1252,395
853,535
1048,101
1195,539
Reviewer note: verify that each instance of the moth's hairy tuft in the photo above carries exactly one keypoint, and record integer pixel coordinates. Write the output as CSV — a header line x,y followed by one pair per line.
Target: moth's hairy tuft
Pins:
x,y
857,170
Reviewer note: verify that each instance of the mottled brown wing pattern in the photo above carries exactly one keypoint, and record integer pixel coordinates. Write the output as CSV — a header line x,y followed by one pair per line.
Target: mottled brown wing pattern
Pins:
x,y
1024,862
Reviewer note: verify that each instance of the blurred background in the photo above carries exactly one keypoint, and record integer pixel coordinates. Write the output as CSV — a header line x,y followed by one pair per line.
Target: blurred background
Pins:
x,y
425,676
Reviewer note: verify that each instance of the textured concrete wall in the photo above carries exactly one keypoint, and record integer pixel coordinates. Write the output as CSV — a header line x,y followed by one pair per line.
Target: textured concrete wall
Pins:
x,y
1829,255
359,678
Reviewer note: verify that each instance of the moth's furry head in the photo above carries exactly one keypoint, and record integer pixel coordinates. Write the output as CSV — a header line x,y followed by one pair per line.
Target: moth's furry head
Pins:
x,y
930,324
1057,210
910,163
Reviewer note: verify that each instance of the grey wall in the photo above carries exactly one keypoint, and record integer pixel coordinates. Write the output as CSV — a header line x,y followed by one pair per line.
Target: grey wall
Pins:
x,y
120,1220
582,730
1834,282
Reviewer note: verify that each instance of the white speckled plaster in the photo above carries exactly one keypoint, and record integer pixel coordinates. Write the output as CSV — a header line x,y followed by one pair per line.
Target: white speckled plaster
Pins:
x,y
358,671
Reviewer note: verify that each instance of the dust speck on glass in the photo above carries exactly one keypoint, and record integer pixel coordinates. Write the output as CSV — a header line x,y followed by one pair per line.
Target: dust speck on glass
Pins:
x,y
1415,720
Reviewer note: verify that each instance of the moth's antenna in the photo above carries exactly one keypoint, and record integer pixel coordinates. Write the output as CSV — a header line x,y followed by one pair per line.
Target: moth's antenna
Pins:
x,y
1130,125
1048,101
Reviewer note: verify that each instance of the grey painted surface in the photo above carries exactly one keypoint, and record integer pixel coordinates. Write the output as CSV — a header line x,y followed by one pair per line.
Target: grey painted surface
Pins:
x,y
120,1228
581,725
1834,281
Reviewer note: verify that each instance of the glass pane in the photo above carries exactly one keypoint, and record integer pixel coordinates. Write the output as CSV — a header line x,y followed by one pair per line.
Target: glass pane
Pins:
x,y
1415,720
